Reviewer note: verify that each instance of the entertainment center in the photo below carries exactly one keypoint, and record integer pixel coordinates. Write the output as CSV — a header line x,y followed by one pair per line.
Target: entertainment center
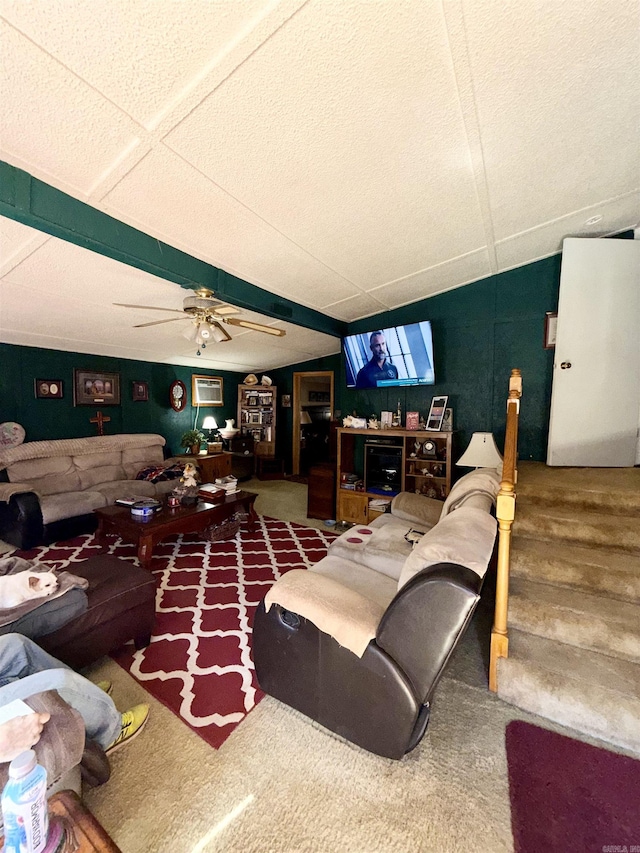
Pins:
x,y
374,465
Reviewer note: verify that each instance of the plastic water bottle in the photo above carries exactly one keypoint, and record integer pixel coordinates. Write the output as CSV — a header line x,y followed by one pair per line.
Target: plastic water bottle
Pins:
x,y
24,806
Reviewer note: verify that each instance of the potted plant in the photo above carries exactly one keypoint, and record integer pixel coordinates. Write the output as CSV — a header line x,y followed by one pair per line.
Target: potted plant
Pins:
x,y
192,439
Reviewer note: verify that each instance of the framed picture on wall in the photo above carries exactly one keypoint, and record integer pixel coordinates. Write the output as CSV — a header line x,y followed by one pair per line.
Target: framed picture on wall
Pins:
x,y
91,387
550,328
48,389
436,413
286,401
140,392
206,390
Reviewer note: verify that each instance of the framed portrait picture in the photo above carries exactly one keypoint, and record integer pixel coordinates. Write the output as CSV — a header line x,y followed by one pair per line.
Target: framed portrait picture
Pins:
x,y
286,401
206,390
48,389
93,387
447,421
436,413
140,392
550,329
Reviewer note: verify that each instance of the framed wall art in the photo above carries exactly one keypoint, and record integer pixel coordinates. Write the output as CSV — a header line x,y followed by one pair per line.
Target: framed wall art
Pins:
x,y
550,328
436,413
140,392
91,387
286,401
206,390
47,389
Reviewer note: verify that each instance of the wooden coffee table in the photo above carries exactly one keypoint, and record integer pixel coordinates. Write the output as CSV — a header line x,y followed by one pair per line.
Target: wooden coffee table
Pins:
x,y
118,521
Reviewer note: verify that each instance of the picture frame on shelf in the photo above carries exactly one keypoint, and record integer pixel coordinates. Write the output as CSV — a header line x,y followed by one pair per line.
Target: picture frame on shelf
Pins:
x,y
386,419
436,413
550,329
206,390
139,392
95,387
413,420
447,421
48,389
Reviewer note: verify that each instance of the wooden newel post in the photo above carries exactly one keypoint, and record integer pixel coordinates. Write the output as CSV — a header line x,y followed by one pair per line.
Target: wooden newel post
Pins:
x,y
505,513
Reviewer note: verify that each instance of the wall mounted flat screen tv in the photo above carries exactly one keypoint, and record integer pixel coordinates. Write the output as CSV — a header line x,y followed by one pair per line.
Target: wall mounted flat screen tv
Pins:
x,y
389,357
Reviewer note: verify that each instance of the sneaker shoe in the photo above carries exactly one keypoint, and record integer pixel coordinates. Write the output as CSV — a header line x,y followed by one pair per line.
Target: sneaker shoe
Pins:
x,y
105,686
133,722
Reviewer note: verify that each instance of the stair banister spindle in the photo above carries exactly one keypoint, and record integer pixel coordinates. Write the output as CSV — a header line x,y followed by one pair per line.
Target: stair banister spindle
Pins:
x,y
505,513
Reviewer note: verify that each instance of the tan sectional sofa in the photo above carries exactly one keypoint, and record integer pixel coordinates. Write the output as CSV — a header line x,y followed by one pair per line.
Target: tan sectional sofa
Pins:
x,y
49,489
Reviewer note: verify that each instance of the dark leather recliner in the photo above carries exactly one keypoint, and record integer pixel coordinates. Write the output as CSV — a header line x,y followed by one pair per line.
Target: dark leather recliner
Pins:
x,y
380,700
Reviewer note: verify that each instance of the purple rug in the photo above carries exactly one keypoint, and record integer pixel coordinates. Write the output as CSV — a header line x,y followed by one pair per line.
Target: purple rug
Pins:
x,y
570,796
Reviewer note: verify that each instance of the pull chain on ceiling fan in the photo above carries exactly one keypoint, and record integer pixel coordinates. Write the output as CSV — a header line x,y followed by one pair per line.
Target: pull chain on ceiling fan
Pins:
x,y
205,312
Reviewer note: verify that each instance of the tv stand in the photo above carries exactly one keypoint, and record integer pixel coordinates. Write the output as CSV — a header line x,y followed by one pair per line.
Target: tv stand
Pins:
x,y
423,470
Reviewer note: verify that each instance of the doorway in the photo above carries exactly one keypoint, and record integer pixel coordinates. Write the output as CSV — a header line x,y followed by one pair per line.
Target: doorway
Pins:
x,y
312,414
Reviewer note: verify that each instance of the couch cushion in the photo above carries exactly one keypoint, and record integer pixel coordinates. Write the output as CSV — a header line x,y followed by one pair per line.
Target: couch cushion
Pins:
x,y
47,476
379,546
101,474
85,461
116,489
70,504
135,458
479,488
465,536
418,509
374,585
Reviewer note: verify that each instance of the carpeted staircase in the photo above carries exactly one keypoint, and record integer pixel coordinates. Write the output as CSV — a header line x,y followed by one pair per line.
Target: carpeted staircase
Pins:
x,y
574,600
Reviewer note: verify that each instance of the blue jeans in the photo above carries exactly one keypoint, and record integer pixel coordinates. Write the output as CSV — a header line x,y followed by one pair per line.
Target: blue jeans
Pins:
x,y
25,669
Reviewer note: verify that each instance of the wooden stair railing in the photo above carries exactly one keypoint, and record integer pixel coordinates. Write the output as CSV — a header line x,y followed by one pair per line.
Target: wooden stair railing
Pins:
x,y
505,513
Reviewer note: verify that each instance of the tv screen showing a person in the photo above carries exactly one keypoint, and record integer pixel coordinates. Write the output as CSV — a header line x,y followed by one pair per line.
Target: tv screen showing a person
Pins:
x,y
398,355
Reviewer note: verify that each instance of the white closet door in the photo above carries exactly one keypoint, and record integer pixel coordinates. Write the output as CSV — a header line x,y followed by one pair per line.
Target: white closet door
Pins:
x,y
595,395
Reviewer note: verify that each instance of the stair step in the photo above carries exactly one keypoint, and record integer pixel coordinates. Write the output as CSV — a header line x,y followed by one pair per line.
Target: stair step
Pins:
x,y
607,489
588,528
585,690
593,570
593,622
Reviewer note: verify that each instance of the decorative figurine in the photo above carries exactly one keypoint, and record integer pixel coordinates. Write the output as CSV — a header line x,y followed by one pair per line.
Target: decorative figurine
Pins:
x,y
187,488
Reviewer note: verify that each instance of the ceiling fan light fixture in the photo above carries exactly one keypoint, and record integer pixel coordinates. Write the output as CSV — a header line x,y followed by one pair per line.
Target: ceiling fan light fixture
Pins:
x,y
219,334
256,327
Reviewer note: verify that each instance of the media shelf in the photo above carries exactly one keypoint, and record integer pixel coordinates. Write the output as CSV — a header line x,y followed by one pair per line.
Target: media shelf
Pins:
x,y
257,416
424,460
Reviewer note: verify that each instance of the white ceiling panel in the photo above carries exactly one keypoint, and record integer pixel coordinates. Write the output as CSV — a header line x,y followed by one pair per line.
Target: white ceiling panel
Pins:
x,y
349,155
161,44
364,140
205,221
557,100
52,122
547,240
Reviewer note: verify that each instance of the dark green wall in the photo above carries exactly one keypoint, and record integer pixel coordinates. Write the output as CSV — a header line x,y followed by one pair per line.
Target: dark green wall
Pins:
x,y
480,331
51,418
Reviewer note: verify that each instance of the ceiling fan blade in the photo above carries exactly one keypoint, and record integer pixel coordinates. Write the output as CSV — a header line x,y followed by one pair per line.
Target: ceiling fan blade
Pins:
x,y
148,307
225,310
158,322
255,327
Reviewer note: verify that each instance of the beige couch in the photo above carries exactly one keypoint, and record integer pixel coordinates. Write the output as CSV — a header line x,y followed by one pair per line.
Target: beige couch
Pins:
x,y
49,489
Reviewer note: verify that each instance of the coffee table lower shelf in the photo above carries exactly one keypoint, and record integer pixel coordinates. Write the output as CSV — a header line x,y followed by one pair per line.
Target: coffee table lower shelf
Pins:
x,y
146,533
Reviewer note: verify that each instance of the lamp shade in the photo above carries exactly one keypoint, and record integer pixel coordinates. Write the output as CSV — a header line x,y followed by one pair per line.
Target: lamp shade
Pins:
x,y
481,452
209,423
305,418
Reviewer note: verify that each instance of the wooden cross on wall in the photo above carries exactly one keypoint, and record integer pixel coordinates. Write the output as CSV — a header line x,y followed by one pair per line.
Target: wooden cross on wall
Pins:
x,y
101,420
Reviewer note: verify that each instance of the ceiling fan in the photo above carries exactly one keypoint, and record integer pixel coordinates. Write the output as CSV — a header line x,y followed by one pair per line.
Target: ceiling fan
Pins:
x,y
206,314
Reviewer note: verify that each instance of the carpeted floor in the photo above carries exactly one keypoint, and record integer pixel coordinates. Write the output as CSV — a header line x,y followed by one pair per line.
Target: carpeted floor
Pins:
x,y
588,797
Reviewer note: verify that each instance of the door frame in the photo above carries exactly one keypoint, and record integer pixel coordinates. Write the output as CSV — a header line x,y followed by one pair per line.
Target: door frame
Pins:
x,y
297,381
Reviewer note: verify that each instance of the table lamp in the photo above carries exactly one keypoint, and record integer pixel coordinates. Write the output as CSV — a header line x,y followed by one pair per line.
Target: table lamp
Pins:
x,y
481,452
209,423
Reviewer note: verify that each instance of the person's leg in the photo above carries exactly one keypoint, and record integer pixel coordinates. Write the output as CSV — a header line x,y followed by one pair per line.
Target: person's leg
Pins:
x,y
102,720
20,656
26,669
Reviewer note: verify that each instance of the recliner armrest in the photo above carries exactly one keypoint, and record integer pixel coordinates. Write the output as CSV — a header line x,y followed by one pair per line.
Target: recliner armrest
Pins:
x,y
347,616
425,620
21,521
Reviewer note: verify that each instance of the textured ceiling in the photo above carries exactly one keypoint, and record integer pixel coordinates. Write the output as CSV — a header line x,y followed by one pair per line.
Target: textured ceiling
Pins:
x,y
352,156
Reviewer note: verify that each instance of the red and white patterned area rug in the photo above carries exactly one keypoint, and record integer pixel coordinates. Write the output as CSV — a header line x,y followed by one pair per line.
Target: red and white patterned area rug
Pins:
x,y
199,660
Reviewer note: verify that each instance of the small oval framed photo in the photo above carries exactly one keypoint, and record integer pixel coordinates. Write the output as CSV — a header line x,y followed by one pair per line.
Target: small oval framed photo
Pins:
x,y
49,389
